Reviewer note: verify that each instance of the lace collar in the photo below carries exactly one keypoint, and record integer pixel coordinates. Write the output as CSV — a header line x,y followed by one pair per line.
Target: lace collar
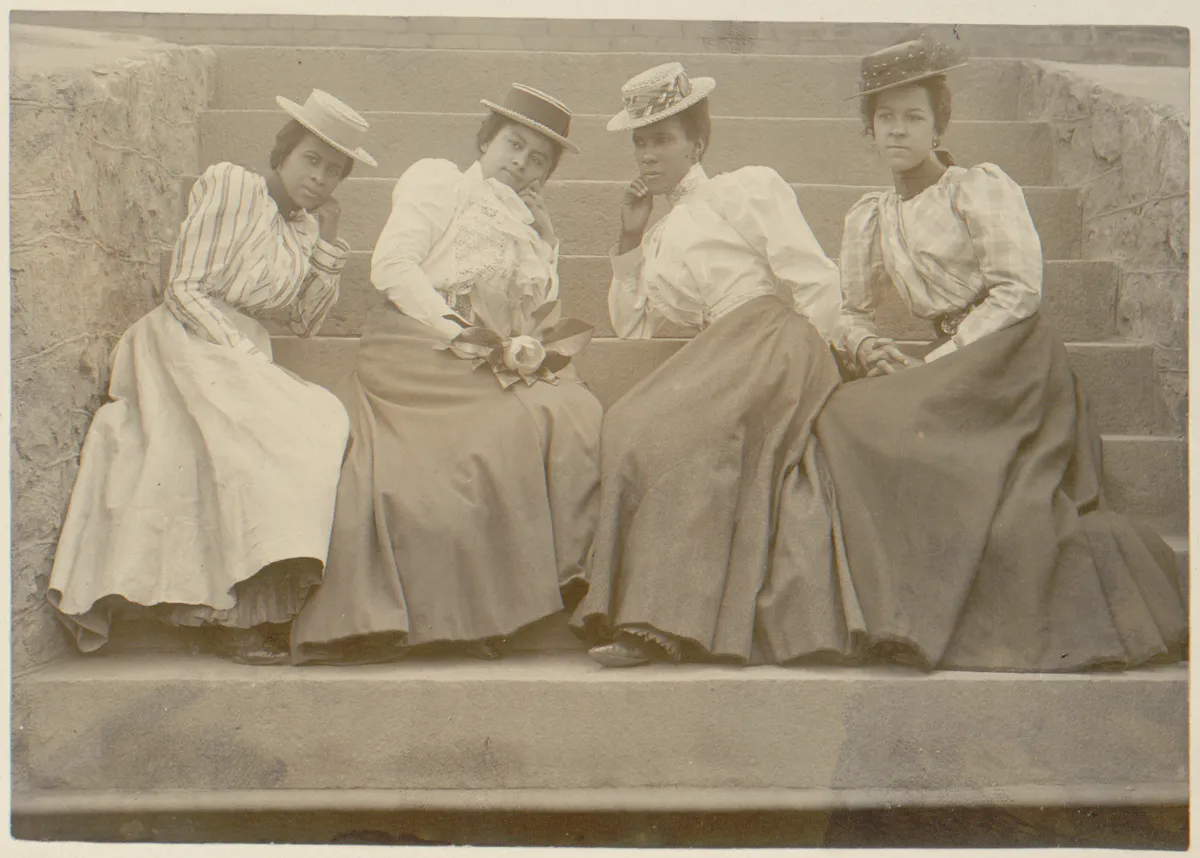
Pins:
x,y
693,179
503,194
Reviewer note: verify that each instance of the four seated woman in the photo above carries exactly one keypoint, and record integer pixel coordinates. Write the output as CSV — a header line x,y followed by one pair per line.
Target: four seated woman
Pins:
x,y
742,504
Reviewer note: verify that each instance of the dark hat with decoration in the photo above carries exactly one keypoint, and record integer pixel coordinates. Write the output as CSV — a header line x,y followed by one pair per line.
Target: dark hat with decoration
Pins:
x,y
905,63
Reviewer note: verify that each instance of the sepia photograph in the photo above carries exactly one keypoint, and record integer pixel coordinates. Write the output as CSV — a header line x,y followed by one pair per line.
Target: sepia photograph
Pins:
x,y
646,432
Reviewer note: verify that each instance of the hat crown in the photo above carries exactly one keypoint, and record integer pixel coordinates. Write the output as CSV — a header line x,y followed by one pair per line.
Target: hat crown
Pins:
x,y
655,90
537,109
920,57
336,109
332,120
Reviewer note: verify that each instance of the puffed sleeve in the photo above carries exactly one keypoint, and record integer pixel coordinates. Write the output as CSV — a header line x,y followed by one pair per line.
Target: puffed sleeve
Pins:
x,y
320,290
631,311
222,212
765,213
1008,249
862,275
423,204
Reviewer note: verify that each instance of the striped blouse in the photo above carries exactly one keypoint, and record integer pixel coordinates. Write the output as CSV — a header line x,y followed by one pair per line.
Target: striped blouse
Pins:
x,y
236,247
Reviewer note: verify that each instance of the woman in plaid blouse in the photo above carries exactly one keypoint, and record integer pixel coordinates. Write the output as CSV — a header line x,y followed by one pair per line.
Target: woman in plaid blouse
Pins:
x,y
968,483
206,487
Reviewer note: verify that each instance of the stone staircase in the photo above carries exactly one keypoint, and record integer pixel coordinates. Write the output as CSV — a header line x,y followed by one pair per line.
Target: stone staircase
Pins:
x,y
145,727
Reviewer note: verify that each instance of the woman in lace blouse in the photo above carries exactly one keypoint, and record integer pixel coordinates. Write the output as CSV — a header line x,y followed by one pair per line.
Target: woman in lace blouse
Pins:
x,y
700,456
206,487
466,507
968,483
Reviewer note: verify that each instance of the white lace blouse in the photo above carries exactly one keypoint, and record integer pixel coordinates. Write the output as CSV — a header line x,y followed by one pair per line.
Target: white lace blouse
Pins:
x,y
456,243
967,239
726,240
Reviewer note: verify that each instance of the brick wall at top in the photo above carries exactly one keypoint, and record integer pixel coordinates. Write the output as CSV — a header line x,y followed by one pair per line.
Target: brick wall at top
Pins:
x,y
1083,44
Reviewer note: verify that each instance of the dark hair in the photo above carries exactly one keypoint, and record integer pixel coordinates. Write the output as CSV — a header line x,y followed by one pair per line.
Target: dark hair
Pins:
x,y
288,138
697,125
939,100
491,127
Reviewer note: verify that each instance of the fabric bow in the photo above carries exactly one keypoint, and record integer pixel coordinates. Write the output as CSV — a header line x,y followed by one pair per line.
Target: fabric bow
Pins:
x,y
541,345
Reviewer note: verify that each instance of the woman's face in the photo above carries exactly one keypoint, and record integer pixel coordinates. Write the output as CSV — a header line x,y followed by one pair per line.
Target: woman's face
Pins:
x,y
517,156
312,171
664,154
904,127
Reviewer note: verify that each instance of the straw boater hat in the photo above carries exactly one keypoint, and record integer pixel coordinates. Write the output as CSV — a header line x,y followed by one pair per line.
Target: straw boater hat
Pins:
x,y
905,63
534,109
333,121
658,93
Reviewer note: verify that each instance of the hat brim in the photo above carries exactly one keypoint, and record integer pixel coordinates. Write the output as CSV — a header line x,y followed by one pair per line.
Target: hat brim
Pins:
x,y
865,92
702,87
529,123
358,153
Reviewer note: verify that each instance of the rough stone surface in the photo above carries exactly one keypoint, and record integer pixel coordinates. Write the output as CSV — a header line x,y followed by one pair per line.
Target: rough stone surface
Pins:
x,y
103,127
1123,135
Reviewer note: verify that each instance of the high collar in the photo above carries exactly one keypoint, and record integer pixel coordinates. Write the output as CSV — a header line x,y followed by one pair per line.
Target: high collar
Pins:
x,y
507,197
692,179
925,175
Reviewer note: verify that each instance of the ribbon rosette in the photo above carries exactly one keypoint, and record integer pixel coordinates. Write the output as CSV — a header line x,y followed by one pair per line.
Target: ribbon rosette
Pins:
x,y
544,345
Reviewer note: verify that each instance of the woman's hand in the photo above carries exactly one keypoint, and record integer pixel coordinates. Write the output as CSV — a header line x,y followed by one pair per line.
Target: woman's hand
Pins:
x,y
328,214
881,356
532,196
636,206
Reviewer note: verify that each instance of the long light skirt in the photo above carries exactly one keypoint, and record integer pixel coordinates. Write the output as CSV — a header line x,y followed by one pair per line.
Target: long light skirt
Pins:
x,y
208,466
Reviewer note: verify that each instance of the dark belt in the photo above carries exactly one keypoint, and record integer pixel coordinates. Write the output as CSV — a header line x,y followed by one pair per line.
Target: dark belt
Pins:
x,y
946,325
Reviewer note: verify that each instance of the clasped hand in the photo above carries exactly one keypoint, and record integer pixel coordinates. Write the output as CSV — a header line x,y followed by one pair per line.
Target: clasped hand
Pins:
x,y
881,356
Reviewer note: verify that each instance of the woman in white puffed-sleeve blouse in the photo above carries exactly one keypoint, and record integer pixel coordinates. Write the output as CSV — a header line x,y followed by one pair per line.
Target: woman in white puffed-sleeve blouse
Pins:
x,y
466,506
700,457
206,487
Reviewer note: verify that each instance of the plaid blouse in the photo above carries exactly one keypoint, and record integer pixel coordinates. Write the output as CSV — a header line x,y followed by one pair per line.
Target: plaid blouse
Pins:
x,y
236,247
968,238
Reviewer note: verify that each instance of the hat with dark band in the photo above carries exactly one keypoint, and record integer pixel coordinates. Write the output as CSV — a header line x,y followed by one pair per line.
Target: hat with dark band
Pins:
x,y
534,109
333,121
658,93
905,63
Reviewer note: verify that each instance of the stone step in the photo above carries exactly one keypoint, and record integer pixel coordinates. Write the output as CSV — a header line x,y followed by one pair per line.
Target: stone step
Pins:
x,y
454,80
587,214
1079,297
801,150
1118,375
555,731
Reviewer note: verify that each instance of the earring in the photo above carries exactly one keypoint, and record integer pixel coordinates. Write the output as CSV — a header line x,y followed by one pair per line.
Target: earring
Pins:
x,y
937,140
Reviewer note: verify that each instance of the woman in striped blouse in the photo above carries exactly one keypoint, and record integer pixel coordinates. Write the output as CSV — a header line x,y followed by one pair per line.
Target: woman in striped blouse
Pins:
x,y
206,487
968,482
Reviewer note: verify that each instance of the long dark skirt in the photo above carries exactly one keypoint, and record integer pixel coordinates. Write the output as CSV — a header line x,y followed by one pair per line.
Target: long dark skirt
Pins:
x,y
464,510
696,461
970,499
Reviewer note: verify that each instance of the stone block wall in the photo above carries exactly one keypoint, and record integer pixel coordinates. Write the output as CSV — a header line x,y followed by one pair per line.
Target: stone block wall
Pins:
x,y
1080,44
102,129
1129,154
